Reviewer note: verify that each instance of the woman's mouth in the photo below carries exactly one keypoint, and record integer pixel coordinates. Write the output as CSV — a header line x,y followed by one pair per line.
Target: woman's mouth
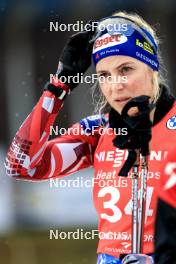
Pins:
x,y
122,100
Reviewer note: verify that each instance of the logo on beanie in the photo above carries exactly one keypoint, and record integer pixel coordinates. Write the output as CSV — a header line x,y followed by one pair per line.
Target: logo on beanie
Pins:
x,y
145,46
107,41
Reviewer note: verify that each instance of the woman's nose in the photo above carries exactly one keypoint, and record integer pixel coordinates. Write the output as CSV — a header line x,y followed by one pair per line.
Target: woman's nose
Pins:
x,y
117,83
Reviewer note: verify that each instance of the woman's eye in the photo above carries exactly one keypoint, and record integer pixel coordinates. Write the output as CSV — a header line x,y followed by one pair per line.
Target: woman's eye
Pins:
x,y
104,74
125,69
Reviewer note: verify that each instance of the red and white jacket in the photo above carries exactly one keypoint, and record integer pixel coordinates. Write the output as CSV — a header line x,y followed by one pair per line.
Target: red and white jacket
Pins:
x,y
33,157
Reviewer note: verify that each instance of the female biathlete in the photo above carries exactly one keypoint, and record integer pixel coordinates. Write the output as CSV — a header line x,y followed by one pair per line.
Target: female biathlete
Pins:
x,y
123,45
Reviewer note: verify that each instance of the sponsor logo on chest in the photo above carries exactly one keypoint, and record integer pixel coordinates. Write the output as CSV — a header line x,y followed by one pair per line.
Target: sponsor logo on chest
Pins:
x,y
118,156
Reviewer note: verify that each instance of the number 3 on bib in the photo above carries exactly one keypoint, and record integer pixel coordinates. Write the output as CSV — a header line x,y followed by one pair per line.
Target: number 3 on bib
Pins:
x,y
112,204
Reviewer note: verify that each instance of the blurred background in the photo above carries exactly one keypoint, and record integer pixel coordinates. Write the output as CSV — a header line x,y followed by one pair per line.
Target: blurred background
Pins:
x,y
29,52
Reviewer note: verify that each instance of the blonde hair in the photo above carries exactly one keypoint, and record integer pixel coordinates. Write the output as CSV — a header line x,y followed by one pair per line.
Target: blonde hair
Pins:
x,y
99,100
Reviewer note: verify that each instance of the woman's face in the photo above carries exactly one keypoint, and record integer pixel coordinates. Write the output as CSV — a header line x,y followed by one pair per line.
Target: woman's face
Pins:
x,y
137,76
